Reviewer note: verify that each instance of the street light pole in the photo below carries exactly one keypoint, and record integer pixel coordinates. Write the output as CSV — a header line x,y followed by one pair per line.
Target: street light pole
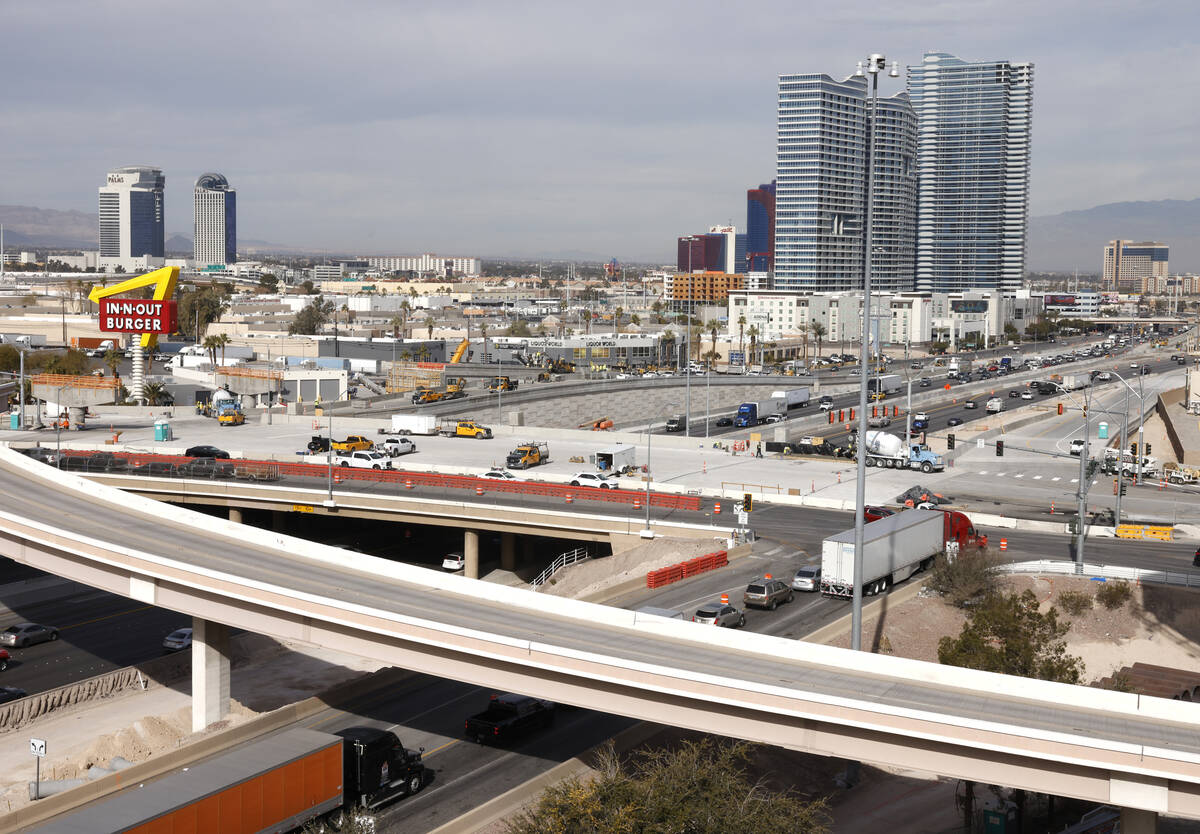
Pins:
x,y
648,533
874,65
329,459
1120,454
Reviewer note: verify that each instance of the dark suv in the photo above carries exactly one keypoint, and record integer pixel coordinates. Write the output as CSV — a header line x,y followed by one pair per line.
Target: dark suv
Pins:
x,y
767,593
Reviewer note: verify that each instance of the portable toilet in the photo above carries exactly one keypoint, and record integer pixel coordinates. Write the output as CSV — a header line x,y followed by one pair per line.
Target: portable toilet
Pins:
x,y
162,430
1102,431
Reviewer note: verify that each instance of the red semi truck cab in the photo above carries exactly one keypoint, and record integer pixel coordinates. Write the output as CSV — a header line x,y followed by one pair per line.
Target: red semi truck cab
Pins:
x,y
960,529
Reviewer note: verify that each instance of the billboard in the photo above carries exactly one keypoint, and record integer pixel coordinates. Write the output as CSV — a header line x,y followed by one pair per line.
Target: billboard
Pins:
x,y
969,305
1059,300
137,315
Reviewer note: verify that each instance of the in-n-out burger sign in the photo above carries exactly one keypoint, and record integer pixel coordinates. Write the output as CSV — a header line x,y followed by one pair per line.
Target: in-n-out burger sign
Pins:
x,y
137,315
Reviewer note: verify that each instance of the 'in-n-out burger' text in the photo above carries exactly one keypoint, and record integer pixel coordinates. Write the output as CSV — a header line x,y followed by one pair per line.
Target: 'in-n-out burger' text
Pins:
x,y
128,315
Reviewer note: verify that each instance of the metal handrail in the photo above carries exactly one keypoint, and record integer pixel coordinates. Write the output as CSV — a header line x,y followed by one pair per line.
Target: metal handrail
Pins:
x,y
579,554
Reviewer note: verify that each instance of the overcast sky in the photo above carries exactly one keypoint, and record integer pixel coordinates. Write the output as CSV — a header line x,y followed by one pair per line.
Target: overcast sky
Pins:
x,y
529,128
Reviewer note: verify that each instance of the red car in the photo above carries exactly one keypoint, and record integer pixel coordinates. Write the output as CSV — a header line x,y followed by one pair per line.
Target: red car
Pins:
x,y
3,659
875,513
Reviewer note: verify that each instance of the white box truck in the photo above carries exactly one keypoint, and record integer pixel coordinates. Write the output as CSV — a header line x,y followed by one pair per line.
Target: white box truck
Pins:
x,y
894,548
793,397
615,458
406,424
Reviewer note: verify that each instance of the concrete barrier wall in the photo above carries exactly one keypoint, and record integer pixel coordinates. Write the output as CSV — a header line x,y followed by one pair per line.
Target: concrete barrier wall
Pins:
x,y
1165,405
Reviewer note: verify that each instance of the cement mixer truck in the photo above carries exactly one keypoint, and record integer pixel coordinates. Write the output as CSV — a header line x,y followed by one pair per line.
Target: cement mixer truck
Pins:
x,y
888,450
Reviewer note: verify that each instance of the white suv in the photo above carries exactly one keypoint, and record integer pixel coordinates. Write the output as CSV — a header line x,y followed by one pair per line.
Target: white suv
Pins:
x,y
592,479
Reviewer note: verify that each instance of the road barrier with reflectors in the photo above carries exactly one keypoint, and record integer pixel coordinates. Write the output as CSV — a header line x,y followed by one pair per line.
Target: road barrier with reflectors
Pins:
x,y
1145,531
682,570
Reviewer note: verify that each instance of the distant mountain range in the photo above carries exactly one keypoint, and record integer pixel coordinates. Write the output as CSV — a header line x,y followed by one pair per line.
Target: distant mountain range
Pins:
x,y
1057,242
50,228
1076,239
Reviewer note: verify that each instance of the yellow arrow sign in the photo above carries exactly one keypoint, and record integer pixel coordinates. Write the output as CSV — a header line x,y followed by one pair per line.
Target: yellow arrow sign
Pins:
x,y
163,280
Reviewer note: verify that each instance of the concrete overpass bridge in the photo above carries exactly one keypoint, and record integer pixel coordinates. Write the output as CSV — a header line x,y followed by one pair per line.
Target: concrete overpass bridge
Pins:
x,y
1140,753
565,513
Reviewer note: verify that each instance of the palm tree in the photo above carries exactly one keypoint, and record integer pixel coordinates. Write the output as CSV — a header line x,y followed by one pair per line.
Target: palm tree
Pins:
x,y
617,313
113,360
212,344
635,319
396,322
222,340
156,393
713,328
818,332
741,333
429,326
752,332
405,312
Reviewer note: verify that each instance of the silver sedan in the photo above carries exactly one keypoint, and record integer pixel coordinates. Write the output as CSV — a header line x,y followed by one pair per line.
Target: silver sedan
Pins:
x,y
26,634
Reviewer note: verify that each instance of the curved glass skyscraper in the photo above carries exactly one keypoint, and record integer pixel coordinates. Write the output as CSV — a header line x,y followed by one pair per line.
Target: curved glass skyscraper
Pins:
x,y
974,121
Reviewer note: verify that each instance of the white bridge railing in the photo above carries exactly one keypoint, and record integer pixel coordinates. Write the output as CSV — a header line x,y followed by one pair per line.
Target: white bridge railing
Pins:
x,y
1188,579
568,558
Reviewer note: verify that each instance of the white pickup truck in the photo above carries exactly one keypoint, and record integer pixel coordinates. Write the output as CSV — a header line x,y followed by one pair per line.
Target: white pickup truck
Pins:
x,y
396,446
364,460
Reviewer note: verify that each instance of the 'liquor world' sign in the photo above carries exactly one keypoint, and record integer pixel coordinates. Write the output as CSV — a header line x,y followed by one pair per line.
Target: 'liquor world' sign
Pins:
x,y
136,315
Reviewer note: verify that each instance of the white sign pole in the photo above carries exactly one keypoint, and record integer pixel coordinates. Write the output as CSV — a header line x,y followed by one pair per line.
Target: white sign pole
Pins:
x,y
37,746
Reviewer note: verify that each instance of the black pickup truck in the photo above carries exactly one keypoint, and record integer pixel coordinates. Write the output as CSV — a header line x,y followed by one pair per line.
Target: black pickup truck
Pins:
x,y
508,717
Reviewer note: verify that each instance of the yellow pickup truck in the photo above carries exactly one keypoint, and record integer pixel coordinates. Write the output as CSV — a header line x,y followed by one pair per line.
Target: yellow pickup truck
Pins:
x,y
465,428
353,443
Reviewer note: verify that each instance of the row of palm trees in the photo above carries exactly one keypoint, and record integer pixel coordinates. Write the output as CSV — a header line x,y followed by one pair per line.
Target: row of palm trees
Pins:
x,y
815,329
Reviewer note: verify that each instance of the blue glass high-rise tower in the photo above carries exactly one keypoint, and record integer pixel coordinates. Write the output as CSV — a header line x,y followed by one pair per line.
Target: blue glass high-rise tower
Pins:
x,y
974,121
821,186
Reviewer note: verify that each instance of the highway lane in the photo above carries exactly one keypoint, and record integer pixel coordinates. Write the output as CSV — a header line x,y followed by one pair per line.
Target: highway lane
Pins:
x,y
99,632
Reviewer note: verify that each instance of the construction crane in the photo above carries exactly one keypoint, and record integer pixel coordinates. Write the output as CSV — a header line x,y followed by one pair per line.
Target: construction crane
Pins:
x,y
460,351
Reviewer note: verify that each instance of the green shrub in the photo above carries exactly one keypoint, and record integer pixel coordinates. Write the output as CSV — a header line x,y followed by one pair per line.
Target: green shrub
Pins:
x,y
1074,602
1112,595
967,578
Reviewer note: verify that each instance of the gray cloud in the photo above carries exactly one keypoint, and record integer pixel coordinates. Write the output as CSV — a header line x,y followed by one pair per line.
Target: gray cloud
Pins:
x,y
502,128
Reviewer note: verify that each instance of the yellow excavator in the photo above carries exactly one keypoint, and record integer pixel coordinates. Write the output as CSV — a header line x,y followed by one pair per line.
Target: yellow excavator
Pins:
x,y
460,351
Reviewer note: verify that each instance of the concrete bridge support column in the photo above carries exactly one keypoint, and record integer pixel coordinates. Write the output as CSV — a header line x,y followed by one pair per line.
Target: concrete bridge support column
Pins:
x,y
235,515
471,554
210,672
1137,821
508,551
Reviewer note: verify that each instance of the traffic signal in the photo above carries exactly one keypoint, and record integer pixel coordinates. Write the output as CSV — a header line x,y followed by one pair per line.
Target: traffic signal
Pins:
x,y
1133,448
747,502
1123,488
1148,447
949,441
999,448
1060,409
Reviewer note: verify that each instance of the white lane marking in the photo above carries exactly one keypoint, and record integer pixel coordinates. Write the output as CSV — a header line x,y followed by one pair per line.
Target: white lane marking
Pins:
x,y
1056,478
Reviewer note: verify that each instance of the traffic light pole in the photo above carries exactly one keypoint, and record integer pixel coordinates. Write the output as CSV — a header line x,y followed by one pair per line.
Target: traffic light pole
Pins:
x,y
1121,458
